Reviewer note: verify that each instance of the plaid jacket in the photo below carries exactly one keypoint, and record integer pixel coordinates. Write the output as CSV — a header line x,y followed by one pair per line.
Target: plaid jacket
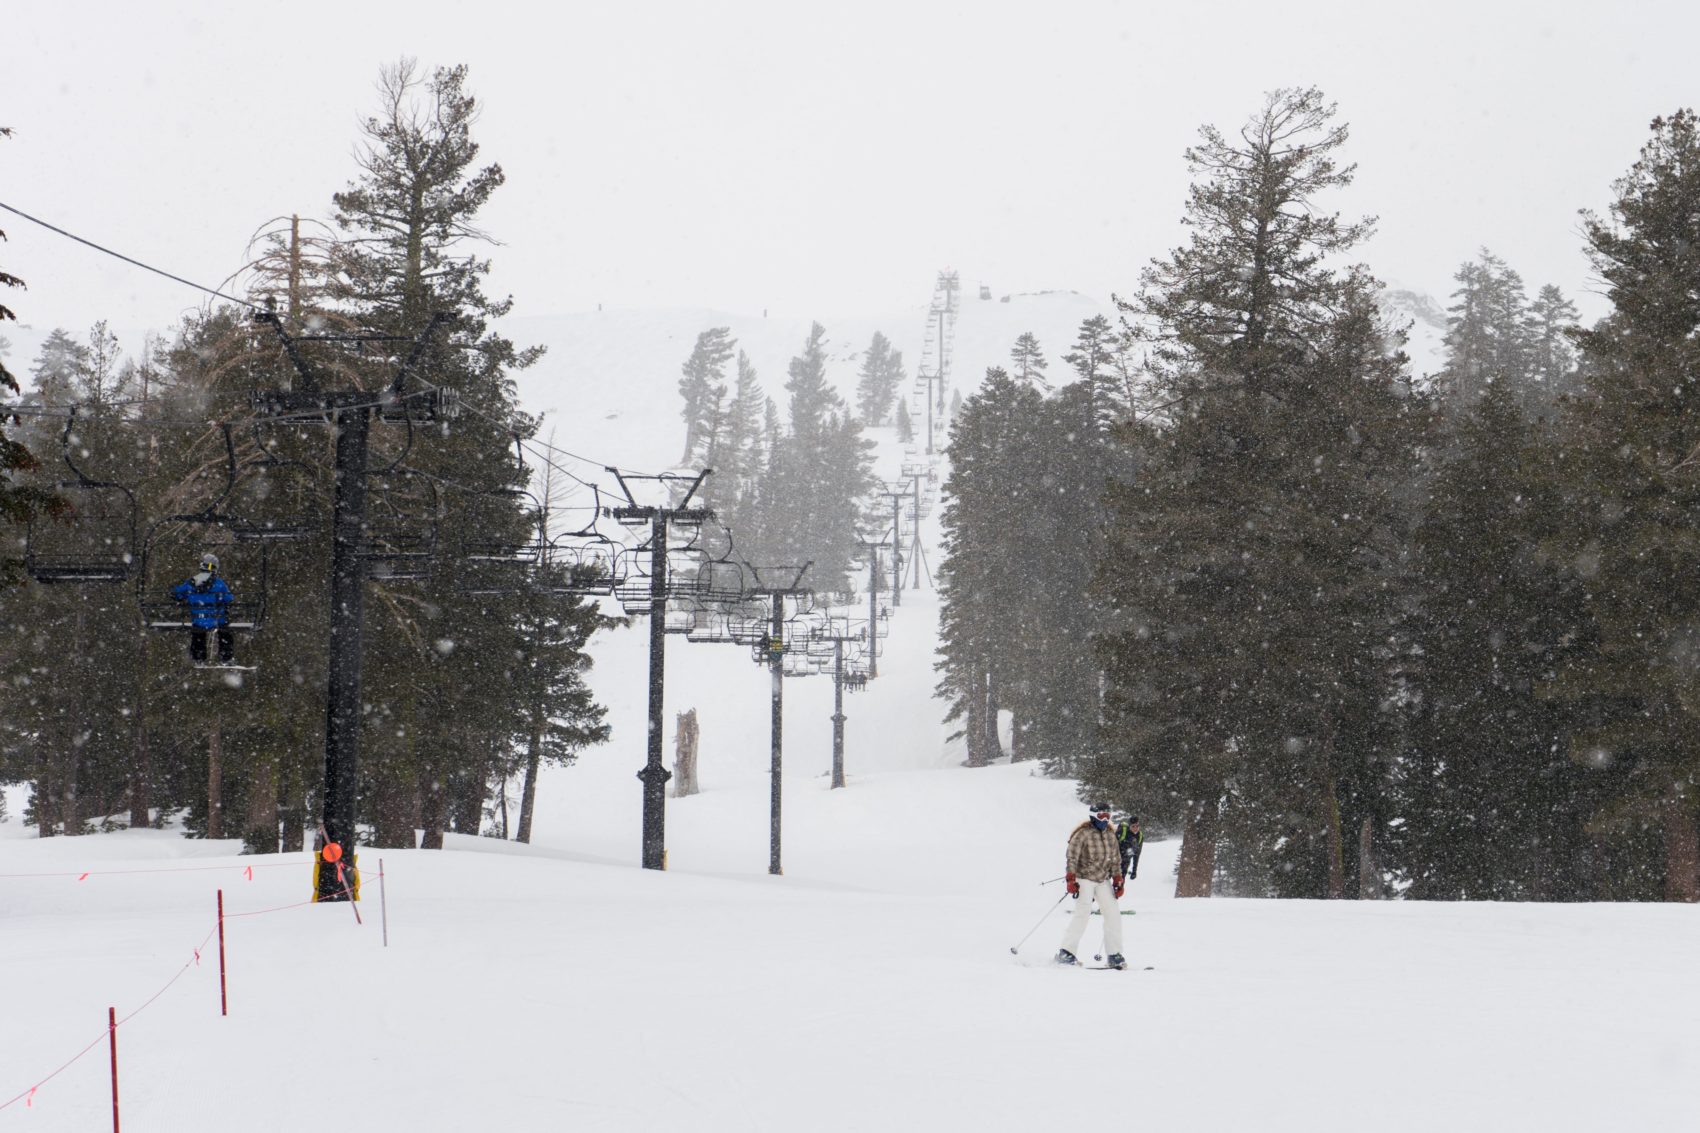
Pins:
x,y
1093,855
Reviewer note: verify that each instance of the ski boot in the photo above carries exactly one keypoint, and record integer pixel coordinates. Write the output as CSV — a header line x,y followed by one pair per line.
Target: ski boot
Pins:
x,y
1114,960
1066,958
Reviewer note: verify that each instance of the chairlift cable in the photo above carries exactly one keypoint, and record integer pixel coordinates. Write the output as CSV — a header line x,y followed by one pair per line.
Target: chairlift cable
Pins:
x,y
126,259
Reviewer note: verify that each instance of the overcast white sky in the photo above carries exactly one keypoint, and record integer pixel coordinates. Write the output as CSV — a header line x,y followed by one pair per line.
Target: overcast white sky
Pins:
x,y
817,159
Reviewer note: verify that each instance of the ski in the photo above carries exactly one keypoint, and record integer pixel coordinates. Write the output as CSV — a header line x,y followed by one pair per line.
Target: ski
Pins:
x,y
1111,968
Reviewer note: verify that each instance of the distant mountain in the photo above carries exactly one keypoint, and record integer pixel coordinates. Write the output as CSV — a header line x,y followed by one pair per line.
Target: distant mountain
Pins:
x,y
1427,330
609,381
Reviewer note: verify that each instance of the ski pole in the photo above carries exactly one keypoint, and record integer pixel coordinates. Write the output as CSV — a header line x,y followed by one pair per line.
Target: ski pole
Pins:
x,y
1054,880
1015,949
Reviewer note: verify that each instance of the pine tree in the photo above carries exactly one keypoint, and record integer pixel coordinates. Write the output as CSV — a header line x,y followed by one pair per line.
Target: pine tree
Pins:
x,y
810,500
1634,491
876,386
812,396
1027,360
19,503
59,368
703,387
447,653
1487,337
1251,572
1552,361
905,426
985,579
1493,807
739,458
1094,361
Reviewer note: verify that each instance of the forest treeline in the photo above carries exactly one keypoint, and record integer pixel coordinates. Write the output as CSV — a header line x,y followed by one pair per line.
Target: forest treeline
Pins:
x,y
1347,632
469,686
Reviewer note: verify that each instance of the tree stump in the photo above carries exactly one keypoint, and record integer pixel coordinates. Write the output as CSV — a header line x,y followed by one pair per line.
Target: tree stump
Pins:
x,y
685,756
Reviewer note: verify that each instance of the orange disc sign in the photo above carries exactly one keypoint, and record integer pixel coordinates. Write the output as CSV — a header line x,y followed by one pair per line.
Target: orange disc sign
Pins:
x,y
332,852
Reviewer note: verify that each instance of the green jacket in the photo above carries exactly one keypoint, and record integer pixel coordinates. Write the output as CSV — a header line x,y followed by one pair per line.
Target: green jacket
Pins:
x,y
1130,841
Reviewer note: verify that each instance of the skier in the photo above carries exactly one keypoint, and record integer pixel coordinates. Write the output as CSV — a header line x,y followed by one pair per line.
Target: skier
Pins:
x,y
1093,858
208,597
1131,839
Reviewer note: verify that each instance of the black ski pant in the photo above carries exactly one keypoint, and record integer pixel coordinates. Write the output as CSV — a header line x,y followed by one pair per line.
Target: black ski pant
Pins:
x,y
198,645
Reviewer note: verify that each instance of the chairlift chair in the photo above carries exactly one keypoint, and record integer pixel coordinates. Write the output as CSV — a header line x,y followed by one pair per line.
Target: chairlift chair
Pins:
x,y
96,544
247,612
400,542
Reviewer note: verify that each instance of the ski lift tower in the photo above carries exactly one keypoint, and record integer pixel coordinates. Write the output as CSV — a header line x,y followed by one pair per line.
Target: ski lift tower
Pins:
x,y
349,413
654,774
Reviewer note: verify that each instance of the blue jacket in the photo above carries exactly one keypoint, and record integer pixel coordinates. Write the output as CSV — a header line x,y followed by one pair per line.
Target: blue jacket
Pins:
x,y
209,601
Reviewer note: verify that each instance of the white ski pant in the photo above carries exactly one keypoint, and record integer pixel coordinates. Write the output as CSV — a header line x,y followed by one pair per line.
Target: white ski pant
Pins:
x,y
1104,893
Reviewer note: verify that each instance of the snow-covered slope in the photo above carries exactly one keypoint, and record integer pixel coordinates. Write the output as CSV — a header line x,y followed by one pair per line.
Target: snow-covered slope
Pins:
x,y
872,985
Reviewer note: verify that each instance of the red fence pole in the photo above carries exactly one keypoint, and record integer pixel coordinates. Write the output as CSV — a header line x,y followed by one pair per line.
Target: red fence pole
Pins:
x,y
223,997
112,1035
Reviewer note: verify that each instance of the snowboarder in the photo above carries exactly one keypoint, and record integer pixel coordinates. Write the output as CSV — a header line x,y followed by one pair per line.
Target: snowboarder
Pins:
x,y
1131,839
208,597
1094,857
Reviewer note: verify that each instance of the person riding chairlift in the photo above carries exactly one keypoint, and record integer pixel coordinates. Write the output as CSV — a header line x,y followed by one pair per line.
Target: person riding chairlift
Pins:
x,y
208,597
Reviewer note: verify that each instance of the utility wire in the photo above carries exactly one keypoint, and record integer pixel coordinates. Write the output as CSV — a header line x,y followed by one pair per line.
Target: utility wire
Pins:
x,y
535,448
126,259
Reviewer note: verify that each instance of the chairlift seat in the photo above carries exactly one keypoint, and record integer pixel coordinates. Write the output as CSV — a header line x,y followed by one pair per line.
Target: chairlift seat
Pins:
x,y
47,569
246,616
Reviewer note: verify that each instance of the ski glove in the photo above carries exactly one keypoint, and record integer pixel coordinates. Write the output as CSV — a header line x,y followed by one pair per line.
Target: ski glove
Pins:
x,y
1073,886
1116,887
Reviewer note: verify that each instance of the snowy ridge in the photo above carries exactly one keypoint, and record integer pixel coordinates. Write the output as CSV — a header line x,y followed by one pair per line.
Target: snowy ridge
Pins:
x,y
609,383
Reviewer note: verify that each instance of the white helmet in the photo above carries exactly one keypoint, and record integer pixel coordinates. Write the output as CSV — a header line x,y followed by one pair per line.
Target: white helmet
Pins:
x,y
209,562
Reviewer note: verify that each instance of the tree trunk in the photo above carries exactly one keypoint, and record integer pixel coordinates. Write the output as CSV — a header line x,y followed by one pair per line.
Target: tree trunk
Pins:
x,y
1369,876
1336,843
434,812
215,782
70,805
44,800
1198,849
994,713
294,807
1682,854
469,792
528,796
259,828
975,731
394,798
141,770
